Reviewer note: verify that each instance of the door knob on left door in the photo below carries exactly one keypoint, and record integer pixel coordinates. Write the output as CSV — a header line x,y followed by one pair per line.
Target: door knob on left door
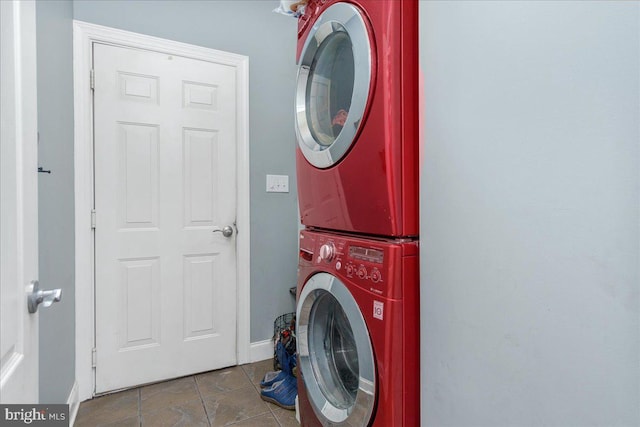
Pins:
x,y
38,296
226,231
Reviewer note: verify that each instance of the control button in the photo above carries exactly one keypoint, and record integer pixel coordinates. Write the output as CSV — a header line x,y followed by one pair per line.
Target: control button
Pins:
x,y
338,265
327,252
375,275
362,272
350,269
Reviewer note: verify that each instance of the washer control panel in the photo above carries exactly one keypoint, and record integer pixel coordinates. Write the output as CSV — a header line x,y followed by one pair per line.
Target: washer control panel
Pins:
x,y
381,267
362,263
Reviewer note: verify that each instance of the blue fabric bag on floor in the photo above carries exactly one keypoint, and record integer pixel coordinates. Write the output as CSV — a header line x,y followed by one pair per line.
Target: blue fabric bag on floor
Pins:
x,y
287,361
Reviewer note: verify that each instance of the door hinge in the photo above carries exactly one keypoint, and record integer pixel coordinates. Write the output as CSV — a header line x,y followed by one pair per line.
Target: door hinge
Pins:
x,y
92,79
93,358
93,218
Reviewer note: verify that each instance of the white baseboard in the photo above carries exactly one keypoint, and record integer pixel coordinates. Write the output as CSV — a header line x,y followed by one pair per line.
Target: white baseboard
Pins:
x,y
74,403
261,350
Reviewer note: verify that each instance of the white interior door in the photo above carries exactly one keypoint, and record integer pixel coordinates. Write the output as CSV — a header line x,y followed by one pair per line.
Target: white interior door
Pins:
x,y
19,195
165,181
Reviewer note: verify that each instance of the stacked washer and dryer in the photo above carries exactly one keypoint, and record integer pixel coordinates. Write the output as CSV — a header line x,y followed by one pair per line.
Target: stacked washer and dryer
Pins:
x,y
357,169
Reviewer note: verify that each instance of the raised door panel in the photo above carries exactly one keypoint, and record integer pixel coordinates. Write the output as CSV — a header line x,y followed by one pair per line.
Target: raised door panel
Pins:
x,y
165,180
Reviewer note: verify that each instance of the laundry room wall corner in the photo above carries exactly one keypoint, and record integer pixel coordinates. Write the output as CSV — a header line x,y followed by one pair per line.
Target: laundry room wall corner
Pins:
x,y
529,214
56,197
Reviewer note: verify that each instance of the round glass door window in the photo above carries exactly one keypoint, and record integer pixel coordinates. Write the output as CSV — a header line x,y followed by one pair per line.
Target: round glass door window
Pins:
x,y
335,363
330,88
335,353
334,76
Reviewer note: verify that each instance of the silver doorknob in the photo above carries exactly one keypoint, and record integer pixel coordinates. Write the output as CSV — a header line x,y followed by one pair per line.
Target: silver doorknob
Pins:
x,y
226,231
38,296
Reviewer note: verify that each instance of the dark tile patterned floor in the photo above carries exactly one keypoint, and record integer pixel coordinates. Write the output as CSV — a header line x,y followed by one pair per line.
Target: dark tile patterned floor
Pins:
x,y
228,397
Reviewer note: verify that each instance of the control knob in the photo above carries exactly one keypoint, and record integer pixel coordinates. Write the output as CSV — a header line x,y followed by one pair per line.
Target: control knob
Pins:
x,y
350,269
327,252
362,272
375,275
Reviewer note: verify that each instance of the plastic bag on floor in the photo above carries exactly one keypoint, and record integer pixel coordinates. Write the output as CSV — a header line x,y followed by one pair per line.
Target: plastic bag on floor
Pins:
x,y
293,8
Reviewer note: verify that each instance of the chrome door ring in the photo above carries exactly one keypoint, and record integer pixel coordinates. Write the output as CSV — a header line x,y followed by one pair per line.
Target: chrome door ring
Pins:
x,y
360,413
340,17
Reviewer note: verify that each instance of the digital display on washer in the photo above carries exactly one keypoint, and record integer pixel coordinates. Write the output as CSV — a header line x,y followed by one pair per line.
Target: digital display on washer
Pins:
x,y
366,254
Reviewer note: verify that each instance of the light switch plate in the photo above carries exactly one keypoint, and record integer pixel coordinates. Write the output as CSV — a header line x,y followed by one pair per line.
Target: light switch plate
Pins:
x,y
277,183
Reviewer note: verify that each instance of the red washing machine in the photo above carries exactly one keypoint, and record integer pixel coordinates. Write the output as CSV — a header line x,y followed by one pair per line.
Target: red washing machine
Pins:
x,y
357,116
358,331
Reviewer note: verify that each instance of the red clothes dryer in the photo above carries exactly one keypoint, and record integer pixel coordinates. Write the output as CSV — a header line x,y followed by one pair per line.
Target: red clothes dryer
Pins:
x,y
357,116
358,331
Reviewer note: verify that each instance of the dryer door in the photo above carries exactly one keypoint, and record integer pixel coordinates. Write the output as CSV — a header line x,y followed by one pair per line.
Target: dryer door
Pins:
x,y
335,354
334,77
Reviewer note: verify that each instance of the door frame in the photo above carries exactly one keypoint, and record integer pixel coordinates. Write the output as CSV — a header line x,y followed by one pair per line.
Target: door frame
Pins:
x,y
84,35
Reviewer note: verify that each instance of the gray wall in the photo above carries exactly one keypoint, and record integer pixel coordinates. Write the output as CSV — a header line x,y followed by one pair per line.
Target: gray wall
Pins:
x,y
269,40
530,214
55,197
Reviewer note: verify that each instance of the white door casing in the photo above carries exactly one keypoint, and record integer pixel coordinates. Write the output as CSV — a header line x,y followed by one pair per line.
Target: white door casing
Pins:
x,y
19,200
85,35
165,174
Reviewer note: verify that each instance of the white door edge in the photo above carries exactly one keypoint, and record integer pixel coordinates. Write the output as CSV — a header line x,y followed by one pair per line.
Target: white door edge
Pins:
x,y
19,370
84,35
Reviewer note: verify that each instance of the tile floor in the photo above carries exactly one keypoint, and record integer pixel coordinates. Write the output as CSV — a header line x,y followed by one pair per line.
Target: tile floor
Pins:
x,y
228,397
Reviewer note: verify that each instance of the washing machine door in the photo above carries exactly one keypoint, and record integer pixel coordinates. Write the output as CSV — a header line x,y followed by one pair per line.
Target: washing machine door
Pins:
x,y
335,354
334,76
